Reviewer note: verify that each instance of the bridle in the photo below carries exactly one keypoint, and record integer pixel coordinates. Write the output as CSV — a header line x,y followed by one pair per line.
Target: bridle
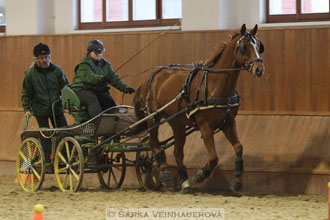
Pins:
x,y
241,47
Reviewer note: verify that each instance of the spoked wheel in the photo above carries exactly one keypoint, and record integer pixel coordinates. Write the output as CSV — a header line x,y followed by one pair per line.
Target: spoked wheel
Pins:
x,y
69,164
147,171
30,165
113,176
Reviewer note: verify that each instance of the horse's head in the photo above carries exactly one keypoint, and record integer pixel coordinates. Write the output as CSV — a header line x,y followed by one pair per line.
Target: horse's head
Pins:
x,y
248,51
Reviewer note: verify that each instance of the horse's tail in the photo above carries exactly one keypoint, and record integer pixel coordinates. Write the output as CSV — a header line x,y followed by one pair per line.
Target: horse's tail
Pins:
x,y
137,103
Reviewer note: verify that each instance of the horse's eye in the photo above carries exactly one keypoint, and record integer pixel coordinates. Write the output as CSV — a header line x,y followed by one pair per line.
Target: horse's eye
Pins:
x,y
242,47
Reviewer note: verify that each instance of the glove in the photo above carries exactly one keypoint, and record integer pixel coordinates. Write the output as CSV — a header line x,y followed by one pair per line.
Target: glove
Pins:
x,y
104,79
129,90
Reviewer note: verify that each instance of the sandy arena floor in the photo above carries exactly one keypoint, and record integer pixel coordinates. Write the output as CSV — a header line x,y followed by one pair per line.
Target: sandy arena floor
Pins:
x,y
91,202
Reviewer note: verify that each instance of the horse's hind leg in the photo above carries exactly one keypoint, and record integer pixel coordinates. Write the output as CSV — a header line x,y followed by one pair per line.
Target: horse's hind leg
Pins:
x,y
231,134
208,139
165,175
179,133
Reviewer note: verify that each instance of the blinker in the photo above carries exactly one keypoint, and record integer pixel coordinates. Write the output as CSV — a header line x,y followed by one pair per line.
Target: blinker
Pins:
x,y
261,47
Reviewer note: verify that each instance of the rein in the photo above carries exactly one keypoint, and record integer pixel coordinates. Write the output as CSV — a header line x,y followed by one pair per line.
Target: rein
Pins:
x,y
210,70
225,70
139,51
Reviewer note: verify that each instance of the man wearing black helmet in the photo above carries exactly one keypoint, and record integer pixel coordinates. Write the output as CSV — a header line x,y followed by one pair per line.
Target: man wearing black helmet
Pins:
x,y
92,76
41,88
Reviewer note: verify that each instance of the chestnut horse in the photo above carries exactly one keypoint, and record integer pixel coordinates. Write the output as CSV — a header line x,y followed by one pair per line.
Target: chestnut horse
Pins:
x,y
208,101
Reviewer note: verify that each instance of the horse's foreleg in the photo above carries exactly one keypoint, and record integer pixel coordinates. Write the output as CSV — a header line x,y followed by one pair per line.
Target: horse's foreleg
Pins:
x,y
180,139
231,134
208,139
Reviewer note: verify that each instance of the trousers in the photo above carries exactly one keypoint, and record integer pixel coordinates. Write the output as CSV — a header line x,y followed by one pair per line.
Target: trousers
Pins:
x,y
59,119
96,102
44,123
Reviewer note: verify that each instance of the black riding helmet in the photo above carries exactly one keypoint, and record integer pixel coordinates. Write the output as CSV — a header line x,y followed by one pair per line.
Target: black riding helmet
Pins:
x,y
41,49
96,46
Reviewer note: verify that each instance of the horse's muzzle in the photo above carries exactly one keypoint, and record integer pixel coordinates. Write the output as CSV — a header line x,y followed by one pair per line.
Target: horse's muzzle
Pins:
x,y
260,69
256,68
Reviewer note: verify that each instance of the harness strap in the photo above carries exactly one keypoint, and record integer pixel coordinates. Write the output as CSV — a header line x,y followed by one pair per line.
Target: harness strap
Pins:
x,y
214,103
187,82
207,102
205,87
148,98
199,87
230,101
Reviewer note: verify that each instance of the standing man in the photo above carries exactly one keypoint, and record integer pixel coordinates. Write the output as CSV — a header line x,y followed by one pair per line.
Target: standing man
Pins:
x,y
41,88
92,76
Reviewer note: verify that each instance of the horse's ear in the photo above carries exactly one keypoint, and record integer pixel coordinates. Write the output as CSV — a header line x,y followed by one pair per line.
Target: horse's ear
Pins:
x,y
254,30
243,29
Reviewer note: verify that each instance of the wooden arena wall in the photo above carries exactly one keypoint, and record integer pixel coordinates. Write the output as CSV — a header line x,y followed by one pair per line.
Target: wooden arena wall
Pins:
x,y
297,63
284,117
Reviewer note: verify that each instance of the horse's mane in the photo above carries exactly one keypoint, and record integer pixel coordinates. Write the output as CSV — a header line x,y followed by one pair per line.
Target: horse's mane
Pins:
x,y
218,49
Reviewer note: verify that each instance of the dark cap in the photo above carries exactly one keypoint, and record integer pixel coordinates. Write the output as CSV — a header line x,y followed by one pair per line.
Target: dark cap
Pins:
x,y
96,46
41,49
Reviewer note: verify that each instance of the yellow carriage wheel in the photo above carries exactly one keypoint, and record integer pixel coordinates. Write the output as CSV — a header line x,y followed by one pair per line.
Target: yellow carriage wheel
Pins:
x,y
113,175
147,171
69,164
30,165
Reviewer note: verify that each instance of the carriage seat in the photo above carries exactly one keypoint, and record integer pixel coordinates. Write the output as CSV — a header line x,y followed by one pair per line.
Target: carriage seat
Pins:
x,y
71,102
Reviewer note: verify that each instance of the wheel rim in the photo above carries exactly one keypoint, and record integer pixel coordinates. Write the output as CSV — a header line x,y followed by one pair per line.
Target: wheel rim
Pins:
x,y
30,165
147,172
69,164
113,177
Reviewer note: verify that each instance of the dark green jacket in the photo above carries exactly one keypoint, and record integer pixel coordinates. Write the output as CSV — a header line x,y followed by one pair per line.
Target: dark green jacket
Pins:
x,y
88,74
42,87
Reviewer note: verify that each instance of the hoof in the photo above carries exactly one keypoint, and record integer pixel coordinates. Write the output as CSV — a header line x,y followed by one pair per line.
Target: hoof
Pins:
x,y
236,185
166,177
199,176
49,168
187,190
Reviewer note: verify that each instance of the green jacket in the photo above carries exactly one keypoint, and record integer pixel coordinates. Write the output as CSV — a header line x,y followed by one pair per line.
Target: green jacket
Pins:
x,y
41,88
88,74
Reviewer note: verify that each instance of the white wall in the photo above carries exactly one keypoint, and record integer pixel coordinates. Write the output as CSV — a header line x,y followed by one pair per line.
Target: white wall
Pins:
x,y
200,15
221,14
21,17
29,17
60,16
251,12
228,14
66,16
45,17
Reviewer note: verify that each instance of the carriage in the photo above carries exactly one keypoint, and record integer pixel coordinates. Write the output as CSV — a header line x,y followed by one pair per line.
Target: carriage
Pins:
x,y
200,97
98,145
